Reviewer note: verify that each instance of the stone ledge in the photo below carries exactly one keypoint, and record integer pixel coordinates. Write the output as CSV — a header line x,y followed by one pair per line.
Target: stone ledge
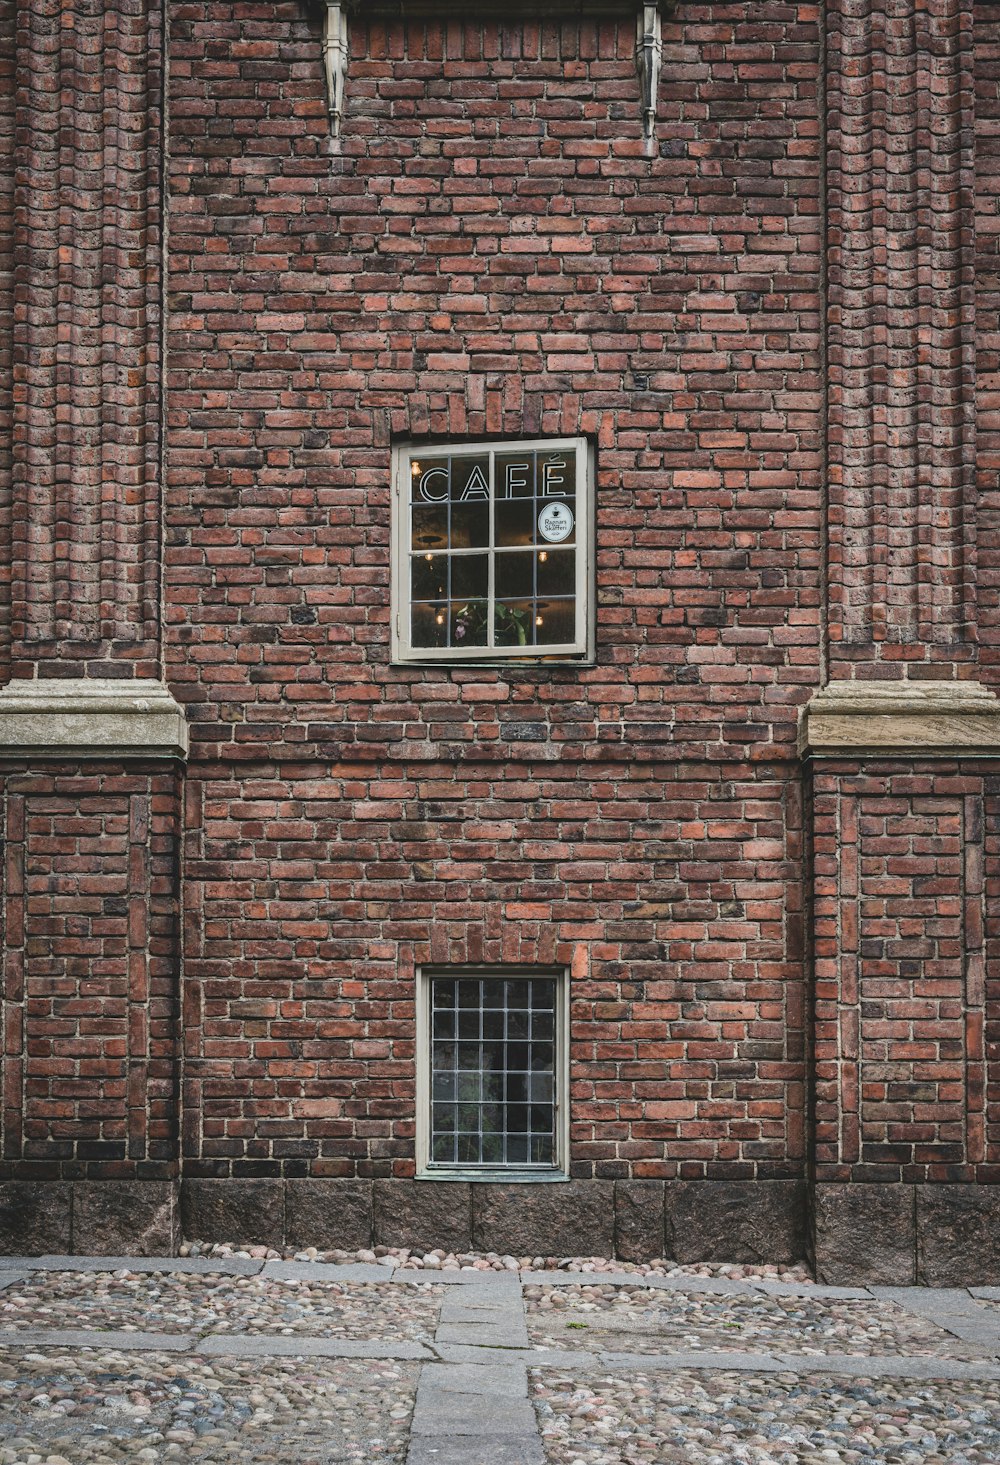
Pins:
x,y
931,719
98,718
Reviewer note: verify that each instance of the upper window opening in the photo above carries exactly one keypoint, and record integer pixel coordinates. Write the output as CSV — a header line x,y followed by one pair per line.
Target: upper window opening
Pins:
x,y
492,551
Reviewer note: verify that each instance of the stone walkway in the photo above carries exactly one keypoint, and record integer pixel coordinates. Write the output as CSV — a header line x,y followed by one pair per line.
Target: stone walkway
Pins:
x,y
108,1360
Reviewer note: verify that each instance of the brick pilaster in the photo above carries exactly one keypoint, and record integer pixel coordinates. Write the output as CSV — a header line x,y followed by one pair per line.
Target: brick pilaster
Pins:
x,y
83,509
900,333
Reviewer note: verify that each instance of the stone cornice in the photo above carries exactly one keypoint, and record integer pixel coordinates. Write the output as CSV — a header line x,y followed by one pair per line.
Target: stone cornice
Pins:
x,y
928,719
97,718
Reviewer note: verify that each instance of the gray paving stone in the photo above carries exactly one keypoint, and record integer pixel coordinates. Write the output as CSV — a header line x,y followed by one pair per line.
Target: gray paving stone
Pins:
x,y
696,1358
485,1316
10,1278
331,1272
452,1353
698,1286
442,1449
511,1333
452,1277
92,1338
887,1366
268,1345
988,1294
820,1293
927,1301
232,1266
509,1380
439,1411
587,1279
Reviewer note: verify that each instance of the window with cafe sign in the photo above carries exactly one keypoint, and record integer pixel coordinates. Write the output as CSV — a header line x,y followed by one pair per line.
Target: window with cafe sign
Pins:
x,y
493,548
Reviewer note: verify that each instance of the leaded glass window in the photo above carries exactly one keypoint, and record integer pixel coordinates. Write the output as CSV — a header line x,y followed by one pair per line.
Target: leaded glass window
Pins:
x,y
494,1042
493,551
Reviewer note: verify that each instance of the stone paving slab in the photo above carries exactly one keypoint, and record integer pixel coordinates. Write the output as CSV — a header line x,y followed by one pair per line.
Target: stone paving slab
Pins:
x,y
96,1338
846,1364
818,1293
332,1272
508,1380
439,1411
268,1345
699,1359
439,1449
230,1266
508,1334
9,1279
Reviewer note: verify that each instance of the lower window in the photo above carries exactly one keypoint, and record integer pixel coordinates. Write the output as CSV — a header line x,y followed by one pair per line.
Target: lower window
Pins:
x,y
492,1087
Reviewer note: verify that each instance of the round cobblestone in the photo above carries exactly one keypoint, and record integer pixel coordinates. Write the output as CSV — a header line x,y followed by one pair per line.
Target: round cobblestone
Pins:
x,y
740,1419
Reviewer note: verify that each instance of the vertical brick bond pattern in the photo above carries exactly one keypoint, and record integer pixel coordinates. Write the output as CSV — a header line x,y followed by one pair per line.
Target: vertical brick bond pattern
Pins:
x,y
488,252
89,975
901,333
905,1000
987,80
80,402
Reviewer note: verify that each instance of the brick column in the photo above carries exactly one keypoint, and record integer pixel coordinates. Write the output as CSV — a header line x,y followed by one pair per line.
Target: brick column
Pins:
x,y
898,736
89,737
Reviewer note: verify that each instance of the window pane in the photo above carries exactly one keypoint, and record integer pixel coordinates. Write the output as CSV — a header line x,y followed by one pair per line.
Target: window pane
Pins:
x,y
515,575
429,577
470,480
470,525
470,623
430,527
492,1097
429,479
429,626
515,476
470,576
556,474
512,623
555,622
515,522
556,572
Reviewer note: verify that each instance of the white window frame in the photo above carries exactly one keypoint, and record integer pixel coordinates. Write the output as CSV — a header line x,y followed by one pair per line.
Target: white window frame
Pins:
x,y
580,651
426,1170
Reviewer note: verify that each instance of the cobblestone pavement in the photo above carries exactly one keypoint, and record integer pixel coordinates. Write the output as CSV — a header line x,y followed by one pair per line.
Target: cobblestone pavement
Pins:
x,y
249,1359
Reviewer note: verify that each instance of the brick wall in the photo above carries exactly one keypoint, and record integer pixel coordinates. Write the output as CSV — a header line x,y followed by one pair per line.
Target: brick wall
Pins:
x,y
89,966
487,251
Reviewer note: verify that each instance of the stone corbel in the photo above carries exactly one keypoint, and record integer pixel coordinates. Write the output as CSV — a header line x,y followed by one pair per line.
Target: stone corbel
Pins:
x,y
648,57
335,58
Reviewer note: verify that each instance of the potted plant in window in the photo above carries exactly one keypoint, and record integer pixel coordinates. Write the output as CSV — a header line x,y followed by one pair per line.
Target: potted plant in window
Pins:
x,y
510,626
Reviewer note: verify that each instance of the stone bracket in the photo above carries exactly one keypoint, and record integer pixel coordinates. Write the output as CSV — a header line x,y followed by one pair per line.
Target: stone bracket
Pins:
x,y
96,718
648,58
336,54
932,719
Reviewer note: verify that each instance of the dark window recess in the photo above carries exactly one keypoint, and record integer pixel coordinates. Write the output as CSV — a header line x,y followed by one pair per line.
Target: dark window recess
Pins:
x,y
493,1045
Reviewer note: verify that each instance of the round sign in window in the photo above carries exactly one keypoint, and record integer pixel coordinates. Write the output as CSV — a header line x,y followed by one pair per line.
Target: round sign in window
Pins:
x,y
555,523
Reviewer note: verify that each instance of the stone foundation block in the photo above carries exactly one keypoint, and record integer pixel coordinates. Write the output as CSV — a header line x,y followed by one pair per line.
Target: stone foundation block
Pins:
x,y
423,1214
639,1217
865,1235
575,1218
125,1218
35,1218
328,1213
249,1212
958,1235
749,1221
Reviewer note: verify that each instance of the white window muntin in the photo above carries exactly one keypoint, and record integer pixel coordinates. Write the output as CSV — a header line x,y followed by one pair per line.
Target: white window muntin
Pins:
x,y
404,553
428,1169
